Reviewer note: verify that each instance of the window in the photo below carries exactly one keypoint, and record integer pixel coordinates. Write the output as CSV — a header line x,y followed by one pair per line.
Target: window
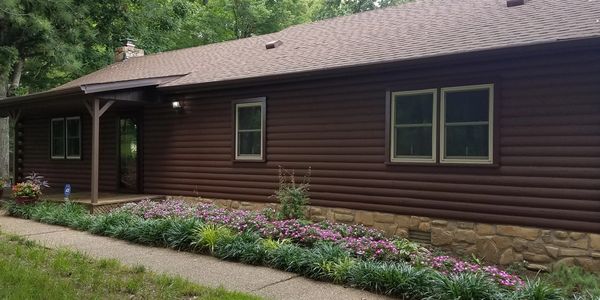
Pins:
x,y
464,122
57,128
65,138
73,140
413,134
467,120
249,129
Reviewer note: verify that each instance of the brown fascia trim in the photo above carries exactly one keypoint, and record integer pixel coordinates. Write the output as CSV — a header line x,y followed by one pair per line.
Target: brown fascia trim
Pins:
x,y
42,96
127,84
481,55
86,90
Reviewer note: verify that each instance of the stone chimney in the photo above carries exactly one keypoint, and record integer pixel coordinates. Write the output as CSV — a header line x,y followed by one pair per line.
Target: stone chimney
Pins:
x,y
127,51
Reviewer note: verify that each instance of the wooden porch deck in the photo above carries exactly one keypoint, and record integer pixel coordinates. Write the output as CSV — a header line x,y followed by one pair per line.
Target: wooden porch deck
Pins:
x,y
106,201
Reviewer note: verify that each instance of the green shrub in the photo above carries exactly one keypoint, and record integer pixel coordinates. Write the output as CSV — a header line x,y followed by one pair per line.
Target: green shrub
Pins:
x,y
467,286
292,196
321,257
113,224
395,279
337,270
180,234
206,237
246,247
149,232
537,290
20,211
289,257
271,244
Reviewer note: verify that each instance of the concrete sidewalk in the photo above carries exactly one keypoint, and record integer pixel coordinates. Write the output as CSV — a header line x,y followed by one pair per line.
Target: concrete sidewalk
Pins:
x,y
201,269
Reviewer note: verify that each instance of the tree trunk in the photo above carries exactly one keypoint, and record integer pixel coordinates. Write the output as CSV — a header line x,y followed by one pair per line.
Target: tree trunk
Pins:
x,y
5,126
16,77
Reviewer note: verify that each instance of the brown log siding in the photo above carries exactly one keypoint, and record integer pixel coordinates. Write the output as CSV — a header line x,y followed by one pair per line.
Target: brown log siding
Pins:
x,y
547,173
77,172
549,145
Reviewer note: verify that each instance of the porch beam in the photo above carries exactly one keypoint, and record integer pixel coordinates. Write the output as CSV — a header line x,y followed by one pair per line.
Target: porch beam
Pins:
x,y
105,107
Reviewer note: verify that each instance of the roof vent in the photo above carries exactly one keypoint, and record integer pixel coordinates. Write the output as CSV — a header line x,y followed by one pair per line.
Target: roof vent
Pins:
x,y
511,3
273,44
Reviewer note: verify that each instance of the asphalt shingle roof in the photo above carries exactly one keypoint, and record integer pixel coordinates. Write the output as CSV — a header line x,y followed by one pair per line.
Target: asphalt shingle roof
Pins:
x,y
423,28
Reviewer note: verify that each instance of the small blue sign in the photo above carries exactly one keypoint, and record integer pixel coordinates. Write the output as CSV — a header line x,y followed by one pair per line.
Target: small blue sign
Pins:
x,y
67,191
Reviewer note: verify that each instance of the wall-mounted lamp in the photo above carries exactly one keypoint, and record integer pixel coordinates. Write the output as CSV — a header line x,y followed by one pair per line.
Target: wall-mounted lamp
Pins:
x,y
177,105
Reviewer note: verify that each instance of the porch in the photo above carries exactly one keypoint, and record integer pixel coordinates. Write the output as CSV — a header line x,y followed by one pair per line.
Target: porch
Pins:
x,y
105,202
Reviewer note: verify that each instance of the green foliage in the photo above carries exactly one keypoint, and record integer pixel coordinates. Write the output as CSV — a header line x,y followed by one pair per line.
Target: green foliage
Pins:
x,y
148,232
246,247
337,269
537,290
180,234
575,281
292,196
395,279
271,244
206,237
290,257
113,224
467,286
321,261
325,9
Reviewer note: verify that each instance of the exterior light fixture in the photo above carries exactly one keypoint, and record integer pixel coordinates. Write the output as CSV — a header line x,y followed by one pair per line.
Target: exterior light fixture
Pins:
x,y
177,105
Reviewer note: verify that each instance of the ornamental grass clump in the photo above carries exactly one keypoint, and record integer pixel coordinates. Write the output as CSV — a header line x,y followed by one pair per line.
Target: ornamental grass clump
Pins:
x,y
467,286
207,236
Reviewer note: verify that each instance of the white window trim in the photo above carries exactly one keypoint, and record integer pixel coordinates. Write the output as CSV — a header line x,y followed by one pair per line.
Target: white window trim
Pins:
x,y
250,157
67,138
52,138
392,131
490,158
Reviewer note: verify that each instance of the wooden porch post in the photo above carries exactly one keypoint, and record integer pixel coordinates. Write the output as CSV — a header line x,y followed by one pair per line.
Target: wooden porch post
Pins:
x,y
96,112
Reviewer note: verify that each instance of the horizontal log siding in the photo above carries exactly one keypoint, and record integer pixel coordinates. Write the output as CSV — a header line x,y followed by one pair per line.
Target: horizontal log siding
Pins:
x,y
548,171
75,172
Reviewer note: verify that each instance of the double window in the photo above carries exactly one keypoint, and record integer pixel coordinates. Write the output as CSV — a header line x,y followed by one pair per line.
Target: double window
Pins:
x,y
65,138
464,123
250,129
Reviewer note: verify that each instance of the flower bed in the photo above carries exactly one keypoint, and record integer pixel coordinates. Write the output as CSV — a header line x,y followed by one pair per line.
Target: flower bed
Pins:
x,y
362,242
349,254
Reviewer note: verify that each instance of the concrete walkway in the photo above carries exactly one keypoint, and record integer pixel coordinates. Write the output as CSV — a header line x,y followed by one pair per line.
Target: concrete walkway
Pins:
x,y
201,269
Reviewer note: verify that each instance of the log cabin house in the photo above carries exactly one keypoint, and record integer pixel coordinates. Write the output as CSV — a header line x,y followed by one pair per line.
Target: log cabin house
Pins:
x,y
472,124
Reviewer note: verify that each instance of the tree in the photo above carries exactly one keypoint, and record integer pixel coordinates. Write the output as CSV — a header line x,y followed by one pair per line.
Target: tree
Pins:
x,y
325,9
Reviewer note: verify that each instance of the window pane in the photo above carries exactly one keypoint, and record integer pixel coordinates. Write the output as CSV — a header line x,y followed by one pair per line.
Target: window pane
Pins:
x,y
58,147
58,129
73,147
467,106
467,141
413,141
414,109
73,128
249,143
58,138
249,117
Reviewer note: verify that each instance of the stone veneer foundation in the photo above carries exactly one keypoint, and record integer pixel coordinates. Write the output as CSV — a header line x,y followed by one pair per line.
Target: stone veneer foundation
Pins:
x,y
537,248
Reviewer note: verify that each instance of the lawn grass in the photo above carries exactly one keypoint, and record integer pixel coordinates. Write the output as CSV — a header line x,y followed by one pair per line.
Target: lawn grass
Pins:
x,y
30,271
